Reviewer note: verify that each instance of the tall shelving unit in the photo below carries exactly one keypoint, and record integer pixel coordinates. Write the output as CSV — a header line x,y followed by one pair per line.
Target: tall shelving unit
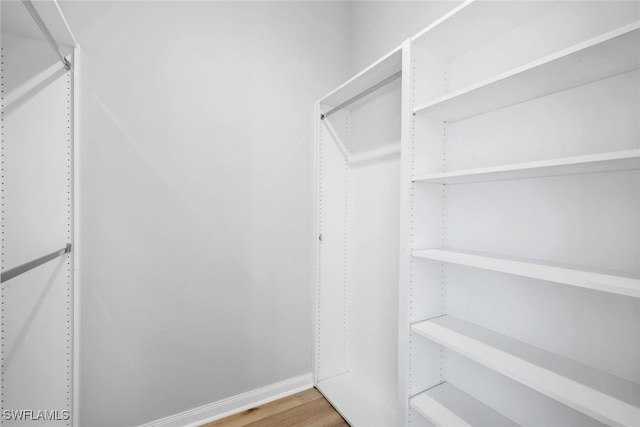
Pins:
x,y
358,181
513,206
520,195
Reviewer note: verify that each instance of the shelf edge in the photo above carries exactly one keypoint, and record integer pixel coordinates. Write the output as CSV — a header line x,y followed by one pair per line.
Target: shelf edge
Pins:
x,y
574,277
517,170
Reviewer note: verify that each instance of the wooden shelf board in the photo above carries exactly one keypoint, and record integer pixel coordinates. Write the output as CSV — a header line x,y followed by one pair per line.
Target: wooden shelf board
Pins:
x,y
604,56
534,269
592,163
446,405
607,398
355,402
375,73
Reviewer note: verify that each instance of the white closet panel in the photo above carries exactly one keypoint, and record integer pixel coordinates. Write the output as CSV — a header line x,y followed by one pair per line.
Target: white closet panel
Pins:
x,y
357,271
37,219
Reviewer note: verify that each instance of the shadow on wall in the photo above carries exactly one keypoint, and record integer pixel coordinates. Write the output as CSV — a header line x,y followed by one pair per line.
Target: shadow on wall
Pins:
x,y
25,327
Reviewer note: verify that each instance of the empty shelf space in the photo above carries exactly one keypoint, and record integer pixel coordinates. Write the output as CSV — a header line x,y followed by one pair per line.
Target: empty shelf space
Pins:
x,y
446,405
592,163
604,56
474,23
355,402
607,398
536,270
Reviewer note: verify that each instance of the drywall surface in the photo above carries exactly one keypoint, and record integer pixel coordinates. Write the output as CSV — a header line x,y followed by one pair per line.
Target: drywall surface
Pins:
x,y
197,204
379,26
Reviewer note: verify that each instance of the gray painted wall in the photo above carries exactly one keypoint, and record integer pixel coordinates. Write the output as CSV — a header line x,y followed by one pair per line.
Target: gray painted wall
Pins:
x,y
197,197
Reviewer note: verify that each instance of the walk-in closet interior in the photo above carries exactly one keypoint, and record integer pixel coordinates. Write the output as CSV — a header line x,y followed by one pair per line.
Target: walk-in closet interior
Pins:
x,y
427,210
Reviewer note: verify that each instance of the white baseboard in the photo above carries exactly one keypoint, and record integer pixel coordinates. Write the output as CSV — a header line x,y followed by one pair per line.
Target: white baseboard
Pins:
x,y
235,404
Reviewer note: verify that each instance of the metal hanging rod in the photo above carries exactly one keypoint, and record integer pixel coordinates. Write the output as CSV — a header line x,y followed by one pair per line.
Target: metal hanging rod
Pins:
x,y
46,33
16,271
362,94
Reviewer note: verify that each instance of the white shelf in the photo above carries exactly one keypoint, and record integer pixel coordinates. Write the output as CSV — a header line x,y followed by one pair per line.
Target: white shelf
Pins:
x,y
355,402
592,163
385,67
604,56
607,398
446,405
536,270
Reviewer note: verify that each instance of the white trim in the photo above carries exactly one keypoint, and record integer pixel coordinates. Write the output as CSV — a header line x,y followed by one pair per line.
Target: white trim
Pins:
x,y
404,253
75,358
235,404
315,241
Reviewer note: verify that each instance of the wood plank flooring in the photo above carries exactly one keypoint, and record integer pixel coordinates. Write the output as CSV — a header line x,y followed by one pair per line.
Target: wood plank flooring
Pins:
x,y
307,408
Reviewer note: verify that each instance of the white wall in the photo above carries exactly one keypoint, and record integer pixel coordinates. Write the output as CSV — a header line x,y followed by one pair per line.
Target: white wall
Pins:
x,y
197,197
379,26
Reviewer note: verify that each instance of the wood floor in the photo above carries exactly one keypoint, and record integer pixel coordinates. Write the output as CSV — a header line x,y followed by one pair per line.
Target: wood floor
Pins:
x,y
307,408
